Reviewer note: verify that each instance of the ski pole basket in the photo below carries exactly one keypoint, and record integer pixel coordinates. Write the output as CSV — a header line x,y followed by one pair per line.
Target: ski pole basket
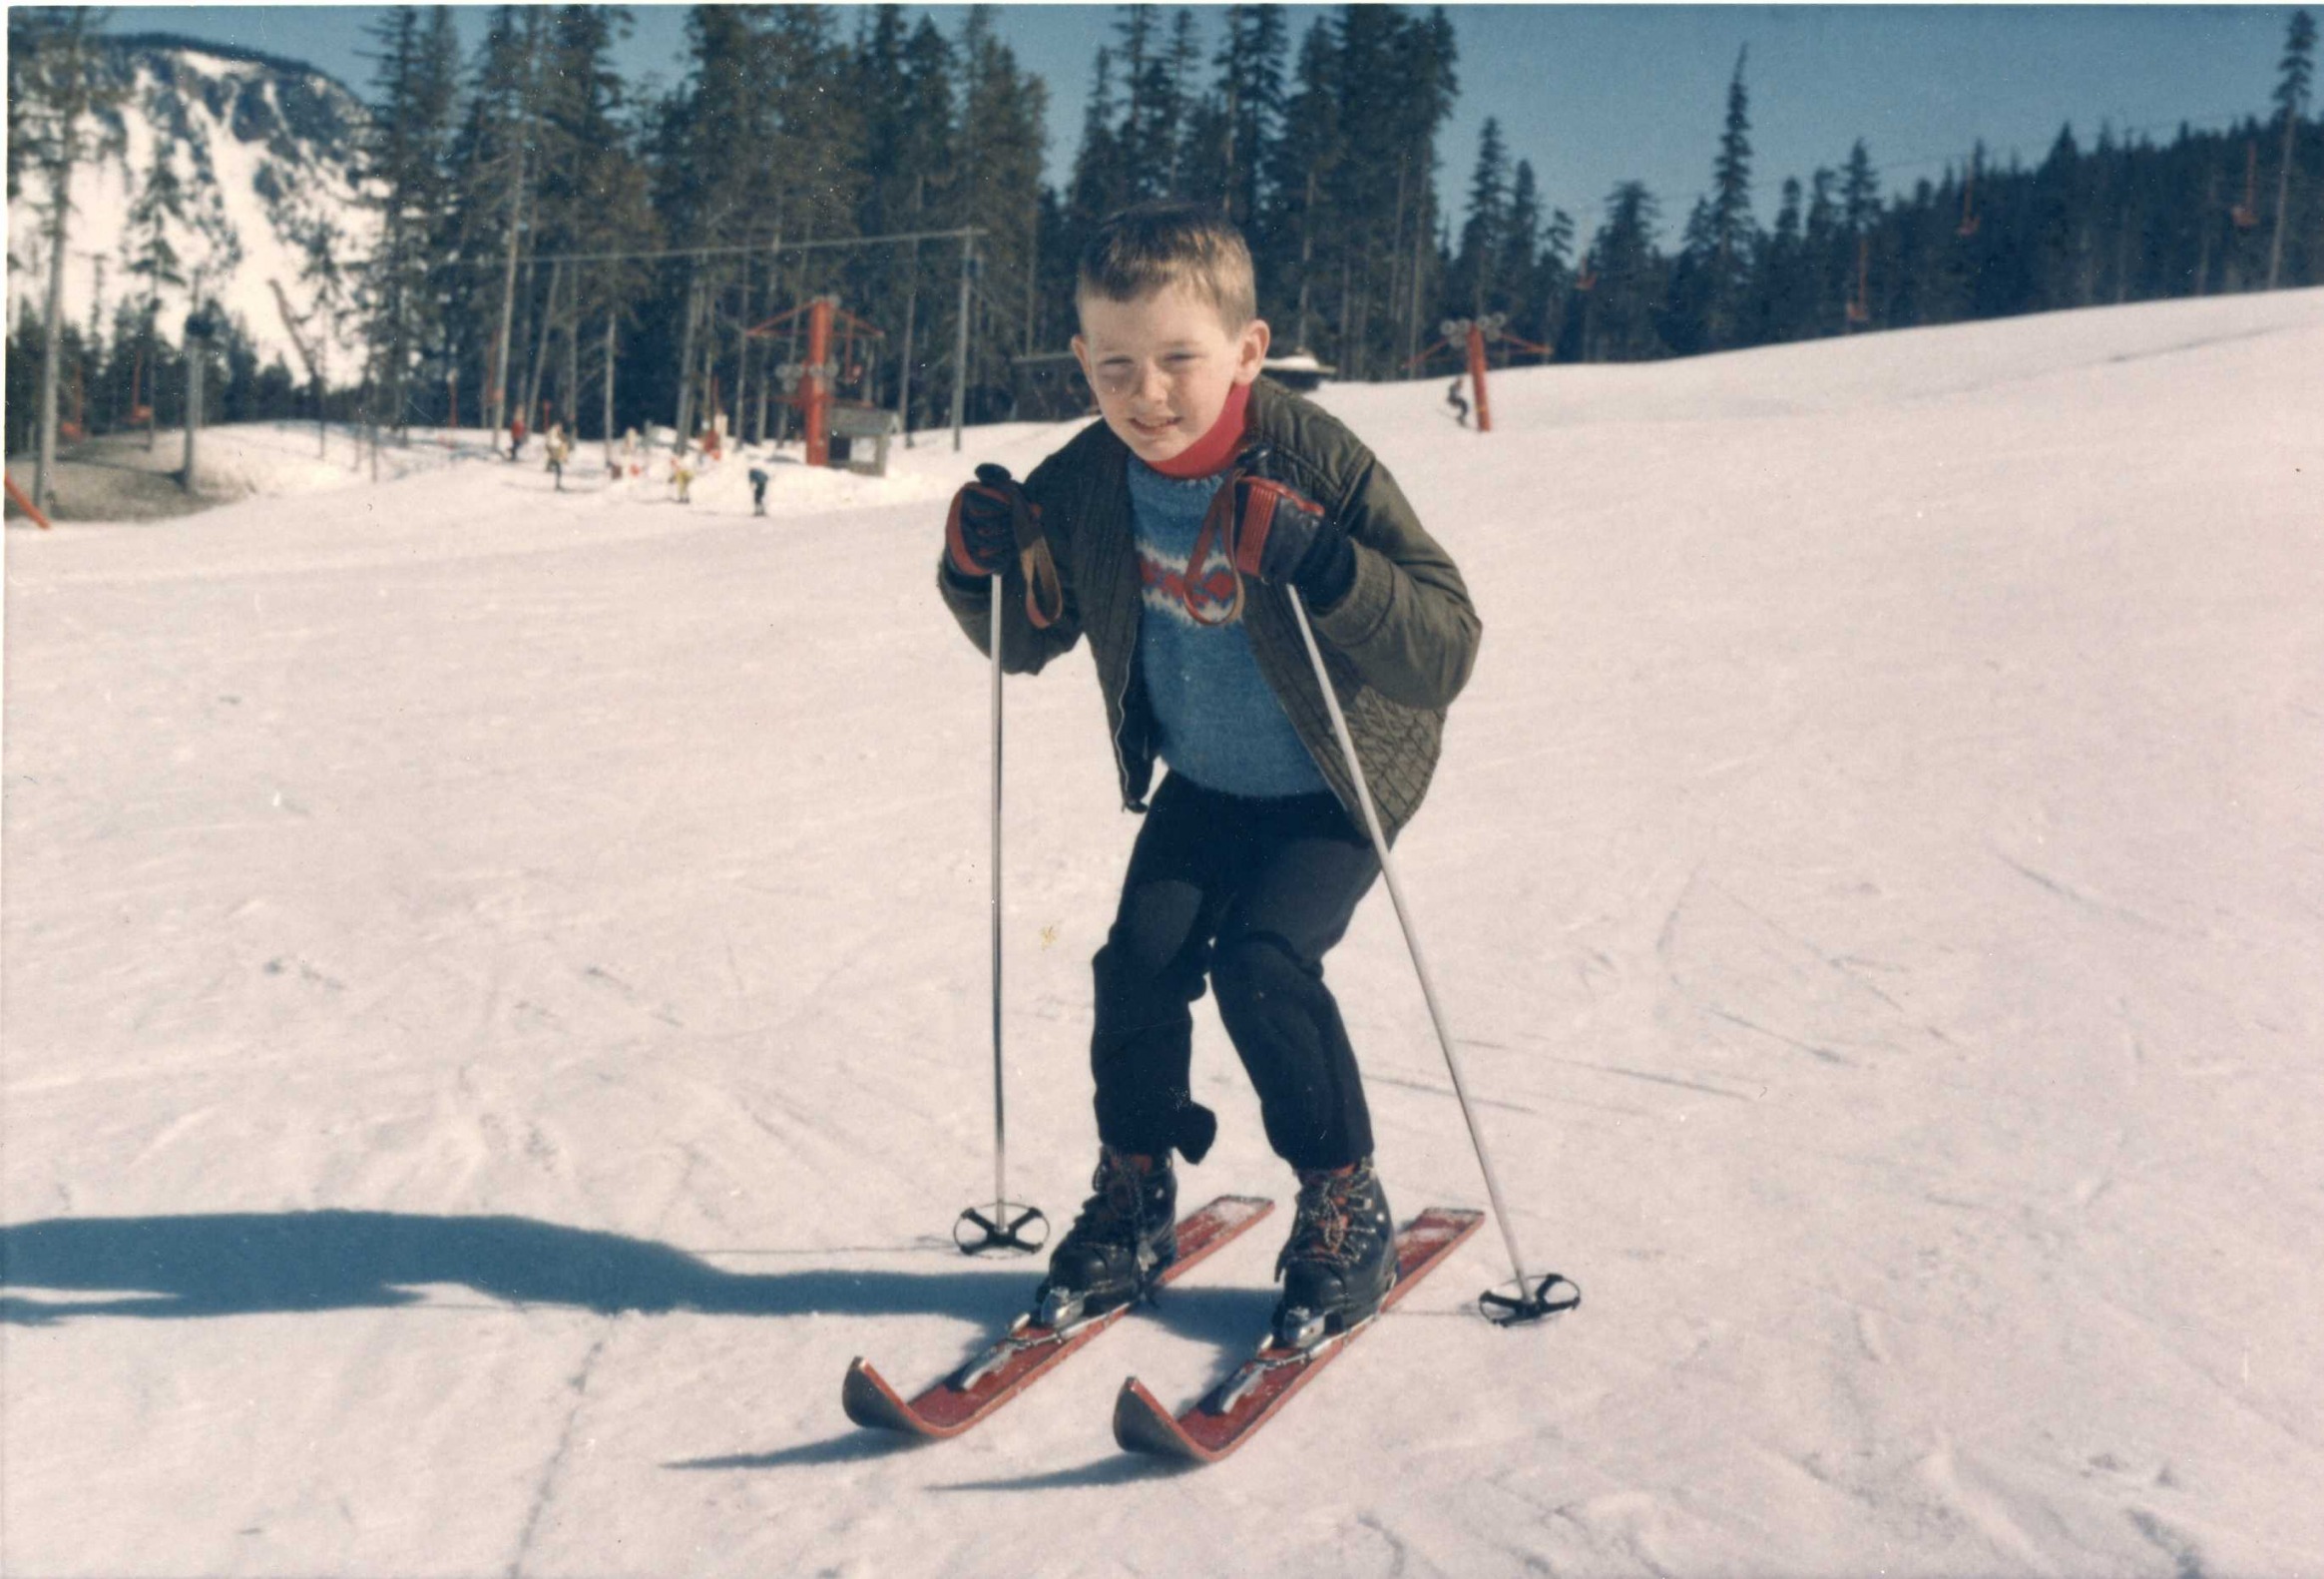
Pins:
x,y
1013,1226
1525,1301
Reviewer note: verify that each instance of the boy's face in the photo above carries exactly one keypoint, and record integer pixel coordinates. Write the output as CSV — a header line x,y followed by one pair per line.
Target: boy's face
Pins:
x,y
1162,367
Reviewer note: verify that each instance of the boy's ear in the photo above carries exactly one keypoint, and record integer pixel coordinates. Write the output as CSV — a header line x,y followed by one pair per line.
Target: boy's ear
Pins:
x,y
1251,351
1081,355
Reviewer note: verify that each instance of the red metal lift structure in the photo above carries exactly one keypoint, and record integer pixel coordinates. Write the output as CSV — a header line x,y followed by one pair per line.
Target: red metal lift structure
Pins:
x,y
810,384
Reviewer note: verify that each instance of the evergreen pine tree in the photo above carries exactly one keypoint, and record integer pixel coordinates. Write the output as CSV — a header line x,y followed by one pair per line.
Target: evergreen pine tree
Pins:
x,y
160,202
1144,79
1100,181
2059,245
2291,97
1684,317
1555,289
1294,242
1519,291
1731,235
61,97
1780,305
403,156
1251,95
1629,287
1000,148
1480,256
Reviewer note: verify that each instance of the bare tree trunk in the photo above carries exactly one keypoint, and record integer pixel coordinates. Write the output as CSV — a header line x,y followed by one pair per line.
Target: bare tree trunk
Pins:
x,y
707,355
569,388
53,333
1350,355
540,346
1412,325
798,299
1307,258
497,395
742,352
153,382
1032,274
765,428
1396,256
693,296
192,409
960,345
609,386
2210,207
911,308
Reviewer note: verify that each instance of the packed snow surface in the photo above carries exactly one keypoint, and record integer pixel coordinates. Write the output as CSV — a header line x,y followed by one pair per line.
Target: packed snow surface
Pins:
x,y
497,1014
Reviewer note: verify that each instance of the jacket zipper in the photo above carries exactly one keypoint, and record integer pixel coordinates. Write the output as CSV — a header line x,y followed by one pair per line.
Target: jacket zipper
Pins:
x,y
1130,803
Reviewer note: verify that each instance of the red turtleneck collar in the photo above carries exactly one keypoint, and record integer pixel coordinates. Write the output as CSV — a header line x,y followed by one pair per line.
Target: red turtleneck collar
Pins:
x,y
1212,452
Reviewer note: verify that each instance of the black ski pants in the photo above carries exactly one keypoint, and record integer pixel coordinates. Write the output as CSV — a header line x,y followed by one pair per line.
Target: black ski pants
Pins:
x,y
1248,895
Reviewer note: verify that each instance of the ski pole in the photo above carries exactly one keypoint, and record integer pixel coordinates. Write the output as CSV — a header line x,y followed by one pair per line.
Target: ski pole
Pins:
x,y
1531,1300
1007,1227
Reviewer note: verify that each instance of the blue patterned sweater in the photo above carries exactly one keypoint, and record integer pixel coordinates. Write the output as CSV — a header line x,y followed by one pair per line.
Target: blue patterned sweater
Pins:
x,y
1219,723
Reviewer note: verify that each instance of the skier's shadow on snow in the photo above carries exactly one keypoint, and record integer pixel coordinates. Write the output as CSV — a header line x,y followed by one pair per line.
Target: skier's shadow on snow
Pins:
x,y
271,1263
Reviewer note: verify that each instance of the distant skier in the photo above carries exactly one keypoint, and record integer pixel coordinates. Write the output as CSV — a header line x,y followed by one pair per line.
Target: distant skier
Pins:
x,y
558,448
757,490
681,474
1178,524
516,436
1454,398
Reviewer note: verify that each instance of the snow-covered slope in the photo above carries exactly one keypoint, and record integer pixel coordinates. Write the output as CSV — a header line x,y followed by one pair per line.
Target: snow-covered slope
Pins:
x,y
265,153
495,994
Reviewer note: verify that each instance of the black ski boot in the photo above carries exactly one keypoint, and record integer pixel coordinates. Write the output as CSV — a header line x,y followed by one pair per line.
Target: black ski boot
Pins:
x,y
1342,1259
1127,1232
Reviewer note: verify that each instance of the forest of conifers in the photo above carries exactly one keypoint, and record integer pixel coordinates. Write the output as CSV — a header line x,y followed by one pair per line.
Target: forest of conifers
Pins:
x,y
553,238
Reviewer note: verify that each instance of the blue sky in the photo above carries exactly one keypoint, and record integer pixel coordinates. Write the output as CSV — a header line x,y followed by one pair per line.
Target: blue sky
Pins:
x,y
1593,95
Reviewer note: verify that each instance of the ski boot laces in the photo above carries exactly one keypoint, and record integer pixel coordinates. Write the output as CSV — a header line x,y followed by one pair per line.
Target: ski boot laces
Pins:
x,y
1115,1213
1333,1225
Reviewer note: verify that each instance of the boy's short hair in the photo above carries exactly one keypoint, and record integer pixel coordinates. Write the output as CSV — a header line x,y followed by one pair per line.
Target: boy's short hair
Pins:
x,y
1148,247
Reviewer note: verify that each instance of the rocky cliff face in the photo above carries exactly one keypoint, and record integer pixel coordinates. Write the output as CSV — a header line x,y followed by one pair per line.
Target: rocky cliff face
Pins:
x,y
264,153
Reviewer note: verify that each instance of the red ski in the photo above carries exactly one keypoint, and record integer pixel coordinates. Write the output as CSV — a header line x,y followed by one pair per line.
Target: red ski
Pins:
x,y
1227,1416
1028,1351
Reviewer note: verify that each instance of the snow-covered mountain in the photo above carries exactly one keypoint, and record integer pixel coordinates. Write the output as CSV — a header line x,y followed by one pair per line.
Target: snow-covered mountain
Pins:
x,y
265,153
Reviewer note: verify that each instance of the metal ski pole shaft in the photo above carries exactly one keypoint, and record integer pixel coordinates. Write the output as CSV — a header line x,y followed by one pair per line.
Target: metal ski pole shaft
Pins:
x,y
1010,1225
1444,1036
999,1083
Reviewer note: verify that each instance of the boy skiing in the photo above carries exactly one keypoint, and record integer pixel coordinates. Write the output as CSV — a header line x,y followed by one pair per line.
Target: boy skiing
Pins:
x,y
1179,526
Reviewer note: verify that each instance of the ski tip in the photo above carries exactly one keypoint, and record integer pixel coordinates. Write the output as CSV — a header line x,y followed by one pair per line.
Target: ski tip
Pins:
x,y
870,1401
1143,1426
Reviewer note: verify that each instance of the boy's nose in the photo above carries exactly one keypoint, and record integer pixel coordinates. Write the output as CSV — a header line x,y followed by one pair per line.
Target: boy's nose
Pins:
x,y
1153,383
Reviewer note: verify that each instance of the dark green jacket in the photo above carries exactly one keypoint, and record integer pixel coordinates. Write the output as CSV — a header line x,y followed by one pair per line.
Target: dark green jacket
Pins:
x,y
1399,646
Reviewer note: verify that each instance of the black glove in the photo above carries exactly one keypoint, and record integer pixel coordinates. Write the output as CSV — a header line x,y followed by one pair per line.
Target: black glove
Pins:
x,y
980,535
1284,537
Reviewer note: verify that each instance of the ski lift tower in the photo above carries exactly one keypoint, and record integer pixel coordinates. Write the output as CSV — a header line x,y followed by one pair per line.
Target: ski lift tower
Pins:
x,y
1469,337
810,384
